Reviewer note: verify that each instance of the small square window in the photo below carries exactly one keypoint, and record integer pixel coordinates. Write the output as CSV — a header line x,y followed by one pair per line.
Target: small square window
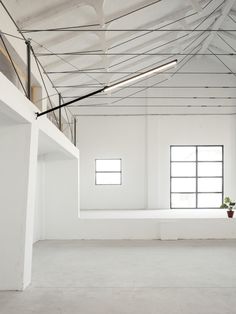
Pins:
x,y
108,172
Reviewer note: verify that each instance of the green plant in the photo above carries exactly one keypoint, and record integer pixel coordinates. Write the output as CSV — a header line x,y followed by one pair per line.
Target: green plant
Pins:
x,y
228,203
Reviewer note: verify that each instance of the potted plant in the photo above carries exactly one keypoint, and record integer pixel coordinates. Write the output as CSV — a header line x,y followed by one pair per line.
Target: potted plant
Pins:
x,y
229,204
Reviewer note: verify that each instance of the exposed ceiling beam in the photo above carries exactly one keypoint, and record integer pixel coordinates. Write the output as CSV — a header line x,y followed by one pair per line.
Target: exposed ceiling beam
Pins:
x,y
120,38
171,47
218,23
173,18
63,38
138,61
61,8
130,10
49,12
174,44
167,38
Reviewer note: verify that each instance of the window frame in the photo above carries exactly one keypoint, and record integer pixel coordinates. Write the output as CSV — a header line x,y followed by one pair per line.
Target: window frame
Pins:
x,y
196,193
120,172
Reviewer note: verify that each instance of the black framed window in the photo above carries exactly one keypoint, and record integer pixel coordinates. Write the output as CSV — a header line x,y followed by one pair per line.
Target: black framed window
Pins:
x,y
196,176
108,172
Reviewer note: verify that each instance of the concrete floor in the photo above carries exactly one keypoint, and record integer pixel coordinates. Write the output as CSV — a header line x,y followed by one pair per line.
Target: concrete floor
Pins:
x,y
129,277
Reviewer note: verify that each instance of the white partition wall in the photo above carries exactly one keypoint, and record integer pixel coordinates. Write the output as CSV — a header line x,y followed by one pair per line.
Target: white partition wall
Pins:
x,y
22,140
18,157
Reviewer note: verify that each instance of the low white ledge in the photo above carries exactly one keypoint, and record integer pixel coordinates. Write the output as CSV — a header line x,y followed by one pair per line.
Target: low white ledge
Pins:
x,y
155,214
164,224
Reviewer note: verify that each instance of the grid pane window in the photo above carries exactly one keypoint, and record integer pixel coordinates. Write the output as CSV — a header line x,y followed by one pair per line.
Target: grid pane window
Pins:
x,y
210,153
183,185
187,169
212,200
184,200
184,153
196,176
209,184
210,168
108,171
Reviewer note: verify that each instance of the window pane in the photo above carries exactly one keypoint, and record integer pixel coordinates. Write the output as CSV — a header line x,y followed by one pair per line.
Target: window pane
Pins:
x,y
210,153
209,200
209,169
108,178
183,153
183,185
210,185
108,165
183,200
183,169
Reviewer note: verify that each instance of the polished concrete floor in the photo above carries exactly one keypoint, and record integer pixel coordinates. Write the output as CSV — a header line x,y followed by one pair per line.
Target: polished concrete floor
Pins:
x,y
129,277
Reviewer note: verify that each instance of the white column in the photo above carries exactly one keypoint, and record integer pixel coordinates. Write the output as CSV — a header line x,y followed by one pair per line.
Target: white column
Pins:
x,y
18,161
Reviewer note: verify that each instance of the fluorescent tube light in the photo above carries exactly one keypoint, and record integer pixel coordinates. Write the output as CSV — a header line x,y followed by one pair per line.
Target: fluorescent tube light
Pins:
x,y
161,68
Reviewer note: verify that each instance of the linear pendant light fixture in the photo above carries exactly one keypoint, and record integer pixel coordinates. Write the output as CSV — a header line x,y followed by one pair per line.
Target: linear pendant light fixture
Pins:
x,y
110,88
160,68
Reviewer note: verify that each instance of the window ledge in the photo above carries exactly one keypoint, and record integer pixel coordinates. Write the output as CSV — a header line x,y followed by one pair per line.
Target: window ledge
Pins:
x,y
155,214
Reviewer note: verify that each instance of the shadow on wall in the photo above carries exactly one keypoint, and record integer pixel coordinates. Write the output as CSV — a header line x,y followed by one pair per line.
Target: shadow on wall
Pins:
x,y
7,69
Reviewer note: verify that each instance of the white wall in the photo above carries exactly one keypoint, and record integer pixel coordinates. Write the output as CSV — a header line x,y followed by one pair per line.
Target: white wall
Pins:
x,y
57,201
113,137
143,143
165,131
61,193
